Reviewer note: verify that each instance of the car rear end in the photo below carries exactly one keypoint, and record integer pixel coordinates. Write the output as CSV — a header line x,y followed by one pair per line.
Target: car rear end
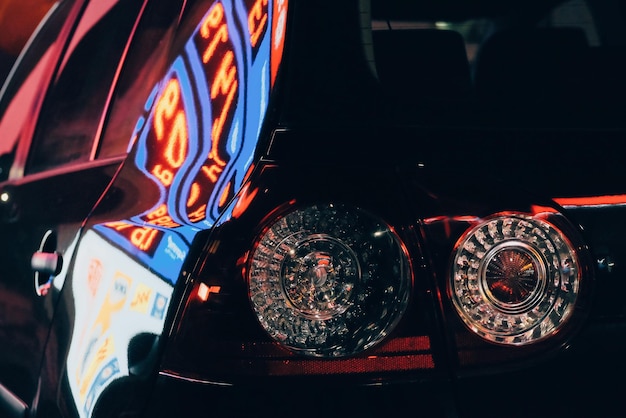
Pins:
x,y
449,255
395,241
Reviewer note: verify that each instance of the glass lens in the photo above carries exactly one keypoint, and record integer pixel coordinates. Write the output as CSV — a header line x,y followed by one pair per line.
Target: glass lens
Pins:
x,y
514,279
329,281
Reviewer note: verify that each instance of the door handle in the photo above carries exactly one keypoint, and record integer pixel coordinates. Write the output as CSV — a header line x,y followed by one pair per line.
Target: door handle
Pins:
x,y
46,263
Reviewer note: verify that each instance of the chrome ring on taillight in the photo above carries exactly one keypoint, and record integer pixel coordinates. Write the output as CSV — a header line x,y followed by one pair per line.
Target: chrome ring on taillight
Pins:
x,y
328,280
514,279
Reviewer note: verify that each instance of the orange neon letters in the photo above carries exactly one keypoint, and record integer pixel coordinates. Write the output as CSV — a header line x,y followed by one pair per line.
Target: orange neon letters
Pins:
x,y
170,124
163,174
257,20
198,215
226,84
220,63
212,172
194,194
176,148
166,106
213,27
160,216
143,238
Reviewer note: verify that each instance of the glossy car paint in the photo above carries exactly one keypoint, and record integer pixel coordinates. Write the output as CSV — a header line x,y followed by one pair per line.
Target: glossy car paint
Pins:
x,y
178,177
219,142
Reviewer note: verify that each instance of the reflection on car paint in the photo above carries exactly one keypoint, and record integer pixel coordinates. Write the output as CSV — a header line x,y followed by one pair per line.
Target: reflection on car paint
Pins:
x,y
119,300
199,167
196,141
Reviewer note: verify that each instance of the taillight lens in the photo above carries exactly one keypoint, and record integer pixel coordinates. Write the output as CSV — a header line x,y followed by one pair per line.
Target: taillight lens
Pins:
x,y
328,280
514,279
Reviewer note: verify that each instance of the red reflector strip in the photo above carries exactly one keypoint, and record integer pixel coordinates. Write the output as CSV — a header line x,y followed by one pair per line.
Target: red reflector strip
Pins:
x,y
372,364
397,354
406,344
242,360
592,201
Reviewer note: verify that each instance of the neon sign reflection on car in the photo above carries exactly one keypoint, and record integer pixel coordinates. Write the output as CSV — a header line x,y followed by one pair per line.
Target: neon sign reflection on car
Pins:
x,y
195,141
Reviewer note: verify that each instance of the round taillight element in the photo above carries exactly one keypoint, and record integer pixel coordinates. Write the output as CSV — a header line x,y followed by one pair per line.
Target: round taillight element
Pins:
x,y
515,279
328,280
513,276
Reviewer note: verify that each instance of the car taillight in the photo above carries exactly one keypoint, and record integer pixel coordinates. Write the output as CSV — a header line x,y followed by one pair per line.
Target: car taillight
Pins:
x,y
328,281
514,279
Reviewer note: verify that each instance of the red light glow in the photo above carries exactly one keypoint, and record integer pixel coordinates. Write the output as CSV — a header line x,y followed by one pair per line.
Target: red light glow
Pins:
x,y
537,210
350,366
245,198
204,291
591,201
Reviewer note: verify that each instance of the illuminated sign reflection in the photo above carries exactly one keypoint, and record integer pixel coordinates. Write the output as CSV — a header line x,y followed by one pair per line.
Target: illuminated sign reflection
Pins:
x,y
119,299
199,132
195,141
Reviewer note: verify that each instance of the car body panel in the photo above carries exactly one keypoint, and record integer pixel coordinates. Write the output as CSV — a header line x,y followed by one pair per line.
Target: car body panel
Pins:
x,y
45,206
206,120
179,176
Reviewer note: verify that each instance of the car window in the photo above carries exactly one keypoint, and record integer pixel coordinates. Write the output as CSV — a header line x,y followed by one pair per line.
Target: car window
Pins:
x,y
72,112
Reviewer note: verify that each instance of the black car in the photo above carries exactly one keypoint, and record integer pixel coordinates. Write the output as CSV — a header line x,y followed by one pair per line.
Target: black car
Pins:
x,y
315,208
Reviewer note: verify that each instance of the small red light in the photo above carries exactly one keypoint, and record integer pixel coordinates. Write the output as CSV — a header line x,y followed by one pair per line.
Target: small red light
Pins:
x,y
205,291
